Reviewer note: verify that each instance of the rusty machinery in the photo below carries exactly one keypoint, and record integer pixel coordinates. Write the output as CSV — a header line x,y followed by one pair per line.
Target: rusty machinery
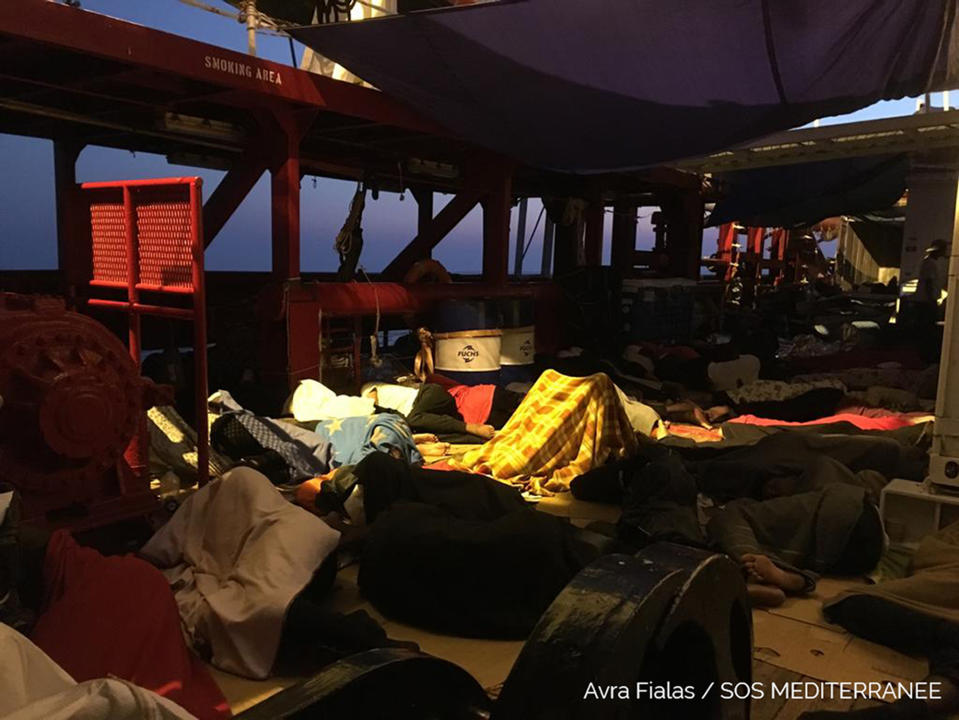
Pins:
x,y
73,404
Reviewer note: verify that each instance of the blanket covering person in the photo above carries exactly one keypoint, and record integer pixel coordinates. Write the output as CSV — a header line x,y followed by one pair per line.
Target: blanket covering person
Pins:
x,y
116,617
461,554
918,615
354,438
564,427
34,687
931,589
834,528
236,554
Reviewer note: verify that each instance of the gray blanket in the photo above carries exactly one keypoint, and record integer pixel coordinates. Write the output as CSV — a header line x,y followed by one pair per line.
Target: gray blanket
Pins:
x,y
236,553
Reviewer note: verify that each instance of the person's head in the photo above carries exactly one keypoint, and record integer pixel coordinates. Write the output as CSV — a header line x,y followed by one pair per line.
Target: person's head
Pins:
x,y
937,248
864,547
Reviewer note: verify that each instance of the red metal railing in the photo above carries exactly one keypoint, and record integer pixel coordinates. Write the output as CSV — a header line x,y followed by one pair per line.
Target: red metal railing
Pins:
x,y
147,236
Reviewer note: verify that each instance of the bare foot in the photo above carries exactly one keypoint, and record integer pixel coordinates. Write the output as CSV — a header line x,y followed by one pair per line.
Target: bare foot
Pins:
x,y
718,413
765,595
761,569
484,431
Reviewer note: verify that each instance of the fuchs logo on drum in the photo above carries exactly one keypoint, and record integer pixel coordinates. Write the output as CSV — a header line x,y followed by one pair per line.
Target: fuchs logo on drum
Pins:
x,y
526,348
468,354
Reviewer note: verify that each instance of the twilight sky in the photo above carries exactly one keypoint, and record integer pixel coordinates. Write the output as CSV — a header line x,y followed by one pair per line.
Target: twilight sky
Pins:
x,y
27,217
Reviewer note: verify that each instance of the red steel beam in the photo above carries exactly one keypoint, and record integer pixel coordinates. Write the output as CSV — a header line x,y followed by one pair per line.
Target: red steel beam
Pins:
x,y
595,220
70,257
496,211
420,246
424,208
624,236
285,213
286,130
754,240
90,33
228,195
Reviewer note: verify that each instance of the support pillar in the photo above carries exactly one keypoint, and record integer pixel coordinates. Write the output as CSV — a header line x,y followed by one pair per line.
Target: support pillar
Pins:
x,y
424,212
286,128
684,240
72,260
285,208
520,238
754,245
496,210
549,230
593,244
565,250
624,237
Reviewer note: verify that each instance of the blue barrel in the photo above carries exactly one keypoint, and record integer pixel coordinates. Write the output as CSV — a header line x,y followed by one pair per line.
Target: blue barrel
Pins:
x,y
467,341
519,341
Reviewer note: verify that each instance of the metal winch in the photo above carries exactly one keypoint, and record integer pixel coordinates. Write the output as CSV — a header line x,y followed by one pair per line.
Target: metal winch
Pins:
x,y
71,404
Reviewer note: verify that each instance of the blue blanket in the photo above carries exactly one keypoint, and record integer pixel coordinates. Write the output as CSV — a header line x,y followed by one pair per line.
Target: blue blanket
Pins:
x,y
356,437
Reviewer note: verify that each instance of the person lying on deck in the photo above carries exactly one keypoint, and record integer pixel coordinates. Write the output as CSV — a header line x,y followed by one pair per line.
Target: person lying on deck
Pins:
x,y
460,414
782,543
448,551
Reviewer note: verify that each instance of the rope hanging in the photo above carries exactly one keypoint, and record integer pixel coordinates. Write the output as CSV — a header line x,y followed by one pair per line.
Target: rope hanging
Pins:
x,y
349,240
423,363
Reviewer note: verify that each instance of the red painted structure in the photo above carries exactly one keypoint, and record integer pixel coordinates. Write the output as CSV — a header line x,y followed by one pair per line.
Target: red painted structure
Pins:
x,y
146,237
728,256
72,400
81,78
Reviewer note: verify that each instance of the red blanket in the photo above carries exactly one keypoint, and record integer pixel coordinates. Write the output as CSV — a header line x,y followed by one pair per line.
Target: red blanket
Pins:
x,y
116,616
891,422
473,402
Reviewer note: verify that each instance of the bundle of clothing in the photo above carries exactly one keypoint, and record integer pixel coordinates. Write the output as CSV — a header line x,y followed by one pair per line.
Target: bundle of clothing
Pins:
x,y
564,427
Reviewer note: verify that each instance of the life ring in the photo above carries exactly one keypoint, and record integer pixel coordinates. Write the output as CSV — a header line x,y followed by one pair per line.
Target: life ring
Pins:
x,y
427,271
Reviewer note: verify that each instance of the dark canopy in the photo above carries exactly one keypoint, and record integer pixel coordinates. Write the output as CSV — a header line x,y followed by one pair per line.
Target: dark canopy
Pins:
x,y
804,194
592,85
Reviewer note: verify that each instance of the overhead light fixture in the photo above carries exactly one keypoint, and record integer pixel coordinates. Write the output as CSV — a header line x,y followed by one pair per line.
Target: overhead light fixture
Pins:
x,y
418,166
202,127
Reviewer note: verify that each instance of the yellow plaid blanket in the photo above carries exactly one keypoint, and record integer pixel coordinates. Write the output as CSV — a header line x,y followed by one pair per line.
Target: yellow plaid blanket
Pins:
x,y
564,427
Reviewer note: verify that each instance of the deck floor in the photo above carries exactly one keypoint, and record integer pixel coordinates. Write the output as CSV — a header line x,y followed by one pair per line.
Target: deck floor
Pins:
x,y
791,643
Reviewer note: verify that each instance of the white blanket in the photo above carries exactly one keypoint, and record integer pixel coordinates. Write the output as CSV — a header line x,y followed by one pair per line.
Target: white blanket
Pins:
x,y
34,687
236,554
313,401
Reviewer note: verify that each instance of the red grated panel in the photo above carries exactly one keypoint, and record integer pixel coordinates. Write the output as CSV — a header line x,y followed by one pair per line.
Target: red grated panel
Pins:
x,y
165,235
108,233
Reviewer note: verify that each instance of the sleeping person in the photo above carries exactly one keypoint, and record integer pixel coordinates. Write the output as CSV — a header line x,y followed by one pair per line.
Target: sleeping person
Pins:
x,y
452,552
458,414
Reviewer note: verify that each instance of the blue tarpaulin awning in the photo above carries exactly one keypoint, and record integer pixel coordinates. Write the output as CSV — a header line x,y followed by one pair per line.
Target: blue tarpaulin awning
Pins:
x,y
598,85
